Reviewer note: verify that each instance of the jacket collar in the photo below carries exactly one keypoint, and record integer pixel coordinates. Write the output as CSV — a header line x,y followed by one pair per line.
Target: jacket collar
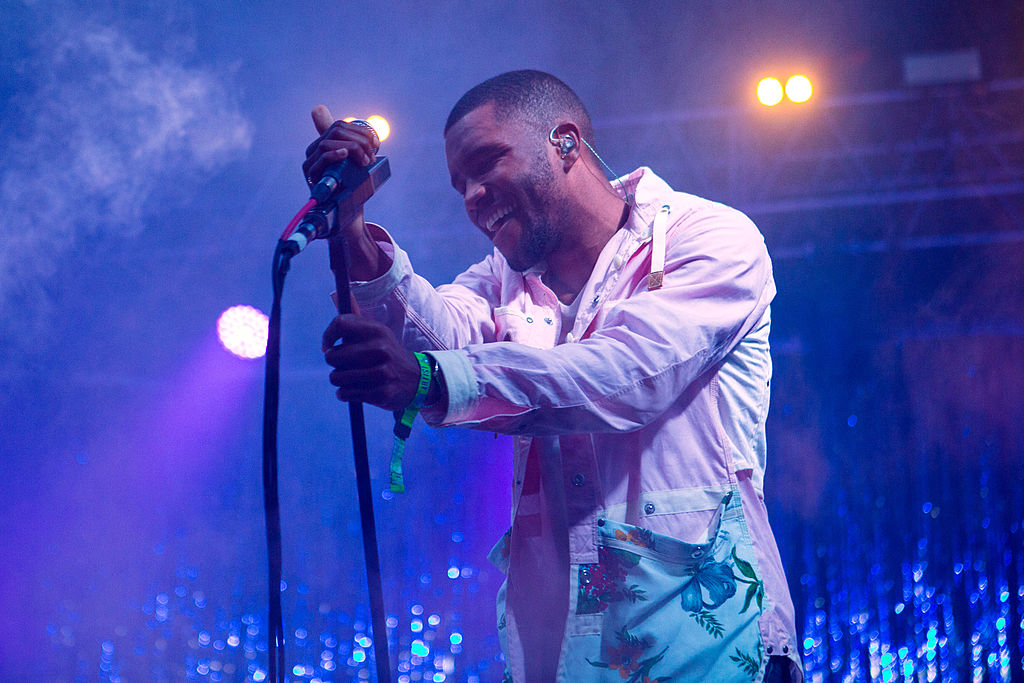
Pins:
x,y
648,192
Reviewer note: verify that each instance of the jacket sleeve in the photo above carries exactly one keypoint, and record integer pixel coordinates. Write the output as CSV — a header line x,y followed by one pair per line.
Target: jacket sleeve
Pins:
x,y
424,319
649,347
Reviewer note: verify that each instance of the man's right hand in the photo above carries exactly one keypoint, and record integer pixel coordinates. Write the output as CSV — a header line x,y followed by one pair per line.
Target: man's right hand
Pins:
x,y
339,141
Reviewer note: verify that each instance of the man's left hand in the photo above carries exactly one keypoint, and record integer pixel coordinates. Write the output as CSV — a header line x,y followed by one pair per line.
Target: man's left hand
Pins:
x,y
371,366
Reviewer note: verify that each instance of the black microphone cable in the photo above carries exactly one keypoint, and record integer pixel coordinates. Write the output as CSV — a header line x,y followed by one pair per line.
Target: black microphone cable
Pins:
x,y
271,501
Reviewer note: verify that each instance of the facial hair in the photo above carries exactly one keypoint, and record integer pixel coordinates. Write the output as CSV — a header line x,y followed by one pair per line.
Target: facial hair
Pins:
x,y
539,235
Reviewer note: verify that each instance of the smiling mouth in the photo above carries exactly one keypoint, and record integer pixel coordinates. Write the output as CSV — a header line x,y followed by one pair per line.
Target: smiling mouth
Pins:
x,y
496,218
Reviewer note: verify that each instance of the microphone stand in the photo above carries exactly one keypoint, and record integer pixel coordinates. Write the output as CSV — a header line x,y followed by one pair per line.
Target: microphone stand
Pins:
x,y
357,186
339,266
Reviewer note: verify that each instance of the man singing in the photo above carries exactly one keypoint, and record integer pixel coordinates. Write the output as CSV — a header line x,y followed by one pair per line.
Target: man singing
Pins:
x,y
619,330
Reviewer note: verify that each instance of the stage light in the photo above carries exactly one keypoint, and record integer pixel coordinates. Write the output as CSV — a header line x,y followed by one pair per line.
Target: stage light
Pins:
x,y
769,92
798,88
380,124
242,330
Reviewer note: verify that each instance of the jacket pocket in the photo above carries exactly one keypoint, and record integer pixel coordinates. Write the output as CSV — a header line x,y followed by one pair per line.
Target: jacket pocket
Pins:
x,y
674,610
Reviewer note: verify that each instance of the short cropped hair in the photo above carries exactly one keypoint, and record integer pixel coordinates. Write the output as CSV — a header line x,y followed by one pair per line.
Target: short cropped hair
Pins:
x,y
532,96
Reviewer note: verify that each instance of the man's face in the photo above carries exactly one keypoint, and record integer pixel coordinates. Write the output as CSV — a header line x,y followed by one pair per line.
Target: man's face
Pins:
x,y
508,185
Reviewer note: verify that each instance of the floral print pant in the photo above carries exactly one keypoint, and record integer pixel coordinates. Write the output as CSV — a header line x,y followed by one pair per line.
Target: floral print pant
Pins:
x,y
674,611
669,610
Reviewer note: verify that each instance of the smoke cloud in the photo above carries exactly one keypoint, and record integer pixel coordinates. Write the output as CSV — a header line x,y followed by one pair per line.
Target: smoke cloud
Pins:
x,y
99,126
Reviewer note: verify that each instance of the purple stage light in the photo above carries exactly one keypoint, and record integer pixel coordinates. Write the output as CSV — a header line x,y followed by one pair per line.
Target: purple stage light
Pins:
x,y
242,330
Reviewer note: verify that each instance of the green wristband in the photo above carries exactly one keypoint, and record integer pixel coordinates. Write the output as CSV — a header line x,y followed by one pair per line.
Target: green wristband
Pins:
x,y
403,423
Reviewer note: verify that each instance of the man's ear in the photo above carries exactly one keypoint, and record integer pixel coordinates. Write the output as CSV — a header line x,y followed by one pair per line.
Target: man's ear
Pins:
x,y
566,137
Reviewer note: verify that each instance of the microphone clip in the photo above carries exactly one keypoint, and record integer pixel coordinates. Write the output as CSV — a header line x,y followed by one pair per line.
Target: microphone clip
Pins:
x,y
343,189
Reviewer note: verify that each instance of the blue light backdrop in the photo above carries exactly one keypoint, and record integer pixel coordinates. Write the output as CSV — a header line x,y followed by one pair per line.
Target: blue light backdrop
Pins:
x,y
150,157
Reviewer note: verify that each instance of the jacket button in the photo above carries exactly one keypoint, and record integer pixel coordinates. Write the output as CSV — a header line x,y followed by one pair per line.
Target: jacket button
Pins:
x,y
547,320
529,319
785,649
649,508
570,337
578,480
770,649
617,261
600,522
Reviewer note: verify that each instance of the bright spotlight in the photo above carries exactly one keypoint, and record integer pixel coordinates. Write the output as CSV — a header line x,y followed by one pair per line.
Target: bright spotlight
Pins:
x,y
769,92
798,88
380,125
242,330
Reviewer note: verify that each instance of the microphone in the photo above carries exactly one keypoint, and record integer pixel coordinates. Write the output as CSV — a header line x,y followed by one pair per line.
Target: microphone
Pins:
x,y
331,181
355,185
343,188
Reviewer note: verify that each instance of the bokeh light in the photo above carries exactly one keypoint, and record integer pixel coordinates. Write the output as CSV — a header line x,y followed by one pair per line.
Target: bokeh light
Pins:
x,y
769,91
242,330
798,88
